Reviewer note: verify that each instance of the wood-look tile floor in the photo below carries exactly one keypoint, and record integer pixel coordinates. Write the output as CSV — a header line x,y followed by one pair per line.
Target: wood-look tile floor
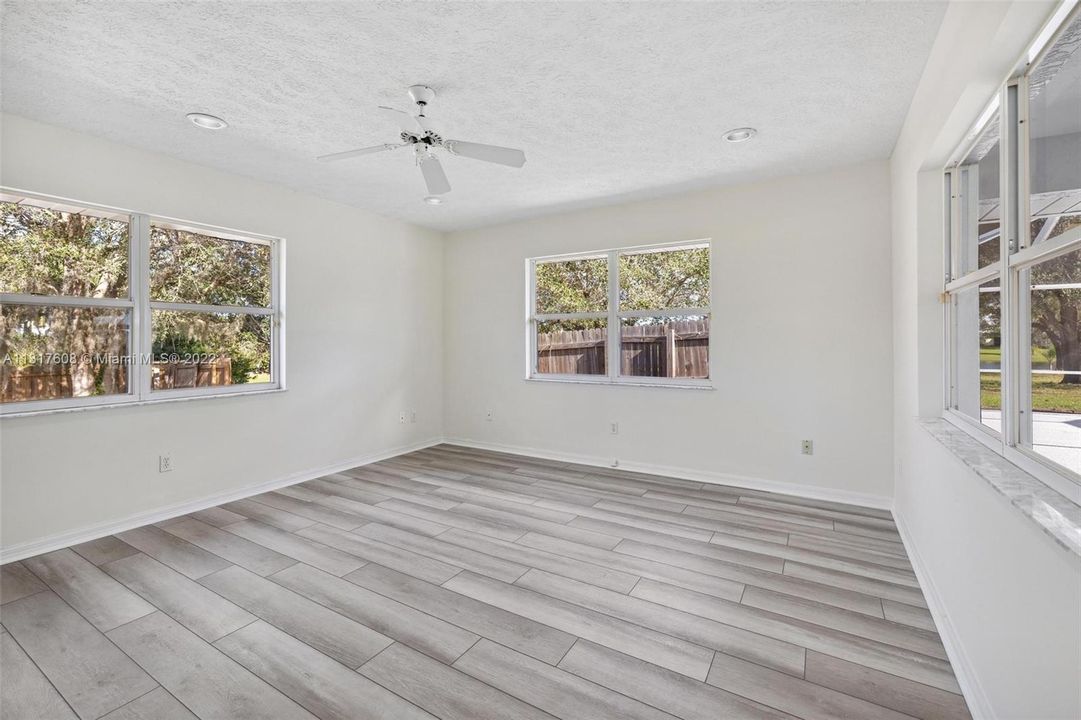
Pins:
x,y
462,584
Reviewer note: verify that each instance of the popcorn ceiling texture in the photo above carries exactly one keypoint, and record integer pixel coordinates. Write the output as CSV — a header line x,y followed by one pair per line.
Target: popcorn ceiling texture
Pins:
x,y
610,101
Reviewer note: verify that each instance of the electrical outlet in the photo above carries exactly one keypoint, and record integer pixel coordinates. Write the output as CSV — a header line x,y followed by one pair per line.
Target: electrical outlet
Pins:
x,y
488,415
808,447
413,416
615,428
165,463
401,418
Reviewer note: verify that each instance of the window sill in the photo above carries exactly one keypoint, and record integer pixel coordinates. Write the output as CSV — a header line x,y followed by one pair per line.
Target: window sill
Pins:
x,y
136,403
1052,511
622,383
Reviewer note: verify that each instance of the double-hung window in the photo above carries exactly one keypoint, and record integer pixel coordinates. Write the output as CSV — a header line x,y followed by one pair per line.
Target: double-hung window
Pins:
x,y
632,315
1013,275
103,307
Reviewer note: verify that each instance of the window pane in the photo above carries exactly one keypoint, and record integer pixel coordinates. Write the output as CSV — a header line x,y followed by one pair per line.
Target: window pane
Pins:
x,y
209,349
662,279
673,347
51,352
191,267
977,194
572,347
1054,303
569,286
62,251
1055,136
977,353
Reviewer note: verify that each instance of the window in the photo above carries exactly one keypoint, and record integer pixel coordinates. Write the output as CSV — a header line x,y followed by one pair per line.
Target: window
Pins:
x,y
1014,267
635,315
101,307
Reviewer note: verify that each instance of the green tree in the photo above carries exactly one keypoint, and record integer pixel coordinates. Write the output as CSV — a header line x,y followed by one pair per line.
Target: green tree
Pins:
x,y
47,252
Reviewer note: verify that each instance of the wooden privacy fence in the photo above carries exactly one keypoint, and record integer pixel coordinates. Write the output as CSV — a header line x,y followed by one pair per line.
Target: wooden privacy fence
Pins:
x,y
673,349
48,382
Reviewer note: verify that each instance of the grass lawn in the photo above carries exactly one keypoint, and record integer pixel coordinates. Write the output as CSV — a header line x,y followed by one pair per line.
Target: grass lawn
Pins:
x,y
1048,393
1041,356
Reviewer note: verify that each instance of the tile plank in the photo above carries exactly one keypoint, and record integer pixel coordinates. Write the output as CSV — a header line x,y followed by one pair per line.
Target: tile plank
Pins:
x,y
297,547
530,557
17,582
197,674
389,618
281,519
793,695
734,640
235,549
887,658
206,614
324,687
339,637
91,674
104,549
555,691
155,705
674,693
911,698
26,694
445,552
390,556
441,690
180,555
514,631
94,595
679,655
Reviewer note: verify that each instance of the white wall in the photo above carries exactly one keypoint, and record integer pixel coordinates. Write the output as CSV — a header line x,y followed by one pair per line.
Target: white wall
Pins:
x,y
348,376
801,346
1012,596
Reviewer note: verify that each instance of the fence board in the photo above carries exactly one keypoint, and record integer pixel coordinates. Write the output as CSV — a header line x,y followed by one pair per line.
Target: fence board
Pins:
x,y
674,349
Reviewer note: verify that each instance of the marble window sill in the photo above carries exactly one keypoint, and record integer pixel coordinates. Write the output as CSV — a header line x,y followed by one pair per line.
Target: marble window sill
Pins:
x,y
1053,512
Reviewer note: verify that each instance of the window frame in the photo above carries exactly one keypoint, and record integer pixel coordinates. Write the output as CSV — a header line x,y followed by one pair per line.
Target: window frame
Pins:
x,y
1017,255
140,306
614,316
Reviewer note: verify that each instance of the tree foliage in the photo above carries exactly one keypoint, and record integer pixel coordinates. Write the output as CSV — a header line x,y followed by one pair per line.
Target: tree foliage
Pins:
x,y
46,251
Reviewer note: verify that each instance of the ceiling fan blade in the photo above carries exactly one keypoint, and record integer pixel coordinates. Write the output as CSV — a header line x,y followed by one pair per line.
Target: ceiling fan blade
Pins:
x,y
487,153
434,177
406,122
357,153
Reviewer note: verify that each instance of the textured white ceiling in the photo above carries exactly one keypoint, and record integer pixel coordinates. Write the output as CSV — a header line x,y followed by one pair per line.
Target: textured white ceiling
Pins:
x,y
610,101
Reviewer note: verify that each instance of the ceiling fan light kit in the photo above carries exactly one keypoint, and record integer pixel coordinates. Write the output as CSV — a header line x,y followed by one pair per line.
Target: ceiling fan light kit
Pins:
x,y
419,132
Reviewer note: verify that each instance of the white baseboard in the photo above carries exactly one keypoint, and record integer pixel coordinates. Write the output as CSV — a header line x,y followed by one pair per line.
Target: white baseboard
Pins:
x,y
880,502
979,705
93,532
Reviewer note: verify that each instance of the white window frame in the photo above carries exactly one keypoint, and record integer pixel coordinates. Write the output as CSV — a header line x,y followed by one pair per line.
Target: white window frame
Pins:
x,y
1016,255
139,305
614,316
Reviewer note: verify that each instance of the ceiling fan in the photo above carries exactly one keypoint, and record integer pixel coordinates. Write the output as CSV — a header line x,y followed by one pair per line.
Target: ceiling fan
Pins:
x,y
420,134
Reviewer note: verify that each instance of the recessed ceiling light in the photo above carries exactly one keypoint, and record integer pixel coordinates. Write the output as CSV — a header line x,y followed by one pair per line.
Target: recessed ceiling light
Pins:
x,y
433,200
207,122
740,134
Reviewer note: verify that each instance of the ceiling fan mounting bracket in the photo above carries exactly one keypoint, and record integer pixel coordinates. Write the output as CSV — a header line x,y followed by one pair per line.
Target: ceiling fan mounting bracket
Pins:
x,y
421,95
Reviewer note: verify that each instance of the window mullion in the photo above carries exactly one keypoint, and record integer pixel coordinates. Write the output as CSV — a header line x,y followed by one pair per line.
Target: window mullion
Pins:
x,y
142,335
1009,238
614,351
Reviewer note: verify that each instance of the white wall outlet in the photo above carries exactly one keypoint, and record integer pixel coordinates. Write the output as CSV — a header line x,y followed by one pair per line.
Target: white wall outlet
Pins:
x,y
808,447
401,418
488,415
615,428
165,463
412,416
